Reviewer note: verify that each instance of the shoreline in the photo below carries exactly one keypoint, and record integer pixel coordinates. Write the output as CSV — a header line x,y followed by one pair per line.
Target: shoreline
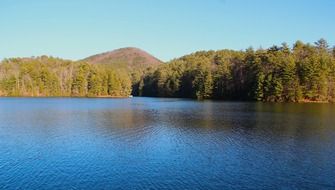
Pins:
x,y
314,102
125,97
111,97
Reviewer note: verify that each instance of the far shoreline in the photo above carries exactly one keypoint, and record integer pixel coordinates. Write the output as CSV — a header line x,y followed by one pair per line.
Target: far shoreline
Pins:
x,y
107,97
126,97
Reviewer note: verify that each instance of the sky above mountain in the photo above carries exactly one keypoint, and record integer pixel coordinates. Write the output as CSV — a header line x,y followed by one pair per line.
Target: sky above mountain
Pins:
x,y
75,29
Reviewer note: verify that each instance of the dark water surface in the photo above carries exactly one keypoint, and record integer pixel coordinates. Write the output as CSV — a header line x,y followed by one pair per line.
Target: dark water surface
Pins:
x,y
145,143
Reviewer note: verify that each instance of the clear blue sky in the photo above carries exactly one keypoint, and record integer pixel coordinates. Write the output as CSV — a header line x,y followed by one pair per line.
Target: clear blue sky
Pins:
x,y
74,29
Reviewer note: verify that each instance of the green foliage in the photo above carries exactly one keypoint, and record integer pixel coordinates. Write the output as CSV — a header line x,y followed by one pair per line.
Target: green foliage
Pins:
x,y
203,83
278,74
48,76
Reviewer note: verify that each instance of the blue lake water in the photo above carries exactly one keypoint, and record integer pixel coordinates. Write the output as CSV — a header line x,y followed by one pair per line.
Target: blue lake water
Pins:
x,y
152,143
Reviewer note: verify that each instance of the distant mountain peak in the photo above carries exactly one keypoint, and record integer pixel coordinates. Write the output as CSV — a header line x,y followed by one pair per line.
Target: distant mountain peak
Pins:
x,y
129,56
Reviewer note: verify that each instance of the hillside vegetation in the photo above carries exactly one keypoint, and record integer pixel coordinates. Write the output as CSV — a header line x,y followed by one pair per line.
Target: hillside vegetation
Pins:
x,y
125,57
48,76
303,73
278,74
134,61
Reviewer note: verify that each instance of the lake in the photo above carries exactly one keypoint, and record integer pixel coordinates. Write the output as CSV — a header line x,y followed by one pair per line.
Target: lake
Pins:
x,y
153,143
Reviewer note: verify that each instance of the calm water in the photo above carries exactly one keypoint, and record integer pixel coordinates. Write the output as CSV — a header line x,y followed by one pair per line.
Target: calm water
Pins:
x,y
144,143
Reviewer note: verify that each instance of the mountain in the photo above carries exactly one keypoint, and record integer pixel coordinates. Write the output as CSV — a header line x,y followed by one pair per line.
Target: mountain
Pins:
x,y
125,57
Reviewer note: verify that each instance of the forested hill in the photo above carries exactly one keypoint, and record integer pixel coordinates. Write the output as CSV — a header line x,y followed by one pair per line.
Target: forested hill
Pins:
x,y
112,74
129,57
136,62
48,76
303,72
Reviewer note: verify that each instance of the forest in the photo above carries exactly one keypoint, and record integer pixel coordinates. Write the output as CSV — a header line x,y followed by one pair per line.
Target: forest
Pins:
x,y
48,76
302,73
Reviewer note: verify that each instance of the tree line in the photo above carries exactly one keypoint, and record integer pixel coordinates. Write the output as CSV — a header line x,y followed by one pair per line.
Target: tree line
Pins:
x,y
305,72
48,76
